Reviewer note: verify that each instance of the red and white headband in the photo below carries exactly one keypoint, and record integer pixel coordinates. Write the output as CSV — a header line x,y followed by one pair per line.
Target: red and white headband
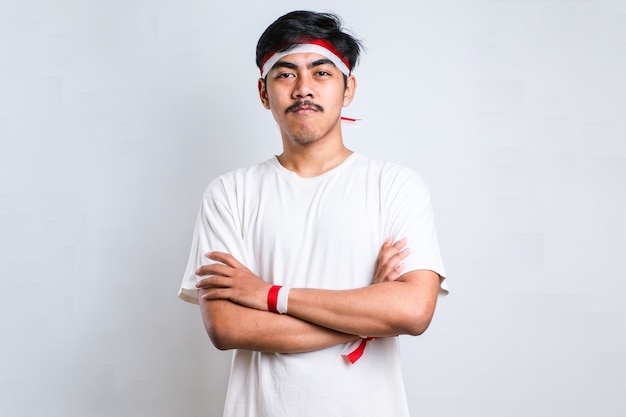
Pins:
x,y
317,46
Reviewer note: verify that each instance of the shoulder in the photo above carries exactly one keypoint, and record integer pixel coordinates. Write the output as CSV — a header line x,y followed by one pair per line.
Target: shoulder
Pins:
x,y
391,174
236,180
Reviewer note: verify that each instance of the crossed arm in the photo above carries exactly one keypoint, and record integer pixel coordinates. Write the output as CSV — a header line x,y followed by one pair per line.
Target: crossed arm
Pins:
x,y
233,303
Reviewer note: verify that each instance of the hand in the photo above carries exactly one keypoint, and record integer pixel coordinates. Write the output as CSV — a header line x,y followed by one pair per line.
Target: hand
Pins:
x,y
389,263
231,280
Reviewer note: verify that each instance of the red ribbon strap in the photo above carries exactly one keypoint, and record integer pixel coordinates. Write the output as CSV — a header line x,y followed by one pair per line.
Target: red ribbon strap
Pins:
x,y
354,352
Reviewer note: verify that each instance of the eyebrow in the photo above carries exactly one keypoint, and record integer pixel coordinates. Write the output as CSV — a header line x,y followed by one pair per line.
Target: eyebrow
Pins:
x,y
290,65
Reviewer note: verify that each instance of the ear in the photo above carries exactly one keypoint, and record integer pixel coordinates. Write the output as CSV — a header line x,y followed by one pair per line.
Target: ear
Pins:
x,y
263,94
349,91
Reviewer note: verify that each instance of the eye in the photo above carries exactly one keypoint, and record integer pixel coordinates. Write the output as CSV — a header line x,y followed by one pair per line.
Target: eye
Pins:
x,y
325,71
284,75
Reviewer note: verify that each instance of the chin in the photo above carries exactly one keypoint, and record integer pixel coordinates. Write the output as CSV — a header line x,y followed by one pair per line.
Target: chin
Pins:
x,y
305,137
304,140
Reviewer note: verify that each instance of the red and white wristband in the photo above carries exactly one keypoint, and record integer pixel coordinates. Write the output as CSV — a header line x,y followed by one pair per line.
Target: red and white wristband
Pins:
x,y
277,299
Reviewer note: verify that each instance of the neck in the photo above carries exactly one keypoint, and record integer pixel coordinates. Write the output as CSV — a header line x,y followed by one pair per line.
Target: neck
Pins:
x,y
312,160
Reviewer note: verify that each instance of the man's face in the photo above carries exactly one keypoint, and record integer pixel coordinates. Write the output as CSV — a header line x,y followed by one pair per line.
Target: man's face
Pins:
x,y
306,92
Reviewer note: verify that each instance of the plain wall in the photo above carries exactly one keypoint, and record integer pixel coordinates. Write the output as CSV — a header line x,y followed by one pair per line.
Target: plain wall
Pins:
x,y
115,115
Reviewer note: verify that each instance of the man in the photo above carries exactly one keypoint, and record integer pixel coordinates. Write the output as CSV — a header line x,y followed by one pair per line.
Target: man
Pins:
x,y
293,261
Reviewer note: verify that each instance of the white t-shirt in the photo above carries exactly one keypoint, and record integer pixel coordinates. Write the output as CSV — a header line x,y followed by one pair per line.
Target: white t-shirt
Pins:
x,y
321,232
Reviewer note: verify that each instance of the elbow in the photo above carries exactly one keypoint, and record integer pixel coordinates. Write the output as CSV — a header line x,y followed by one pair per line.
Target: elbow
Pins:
x,y
221,338
415,323
219,324
418,327
416,309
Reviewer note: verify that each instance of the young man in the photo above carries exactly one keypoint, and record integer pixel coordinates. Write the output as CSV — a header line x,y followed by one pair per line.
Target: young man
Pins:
x,y
294,262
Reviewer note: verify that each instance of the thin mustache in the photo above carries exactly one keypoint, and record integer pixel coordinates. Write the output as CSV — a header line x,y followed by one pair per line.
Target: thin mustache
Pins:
x,y
304,105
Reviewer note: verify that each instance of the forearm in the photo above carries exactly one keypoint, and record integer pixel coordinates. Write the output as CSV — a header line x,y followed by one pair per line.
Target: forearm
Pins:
x,y
401,306
404,306
232,326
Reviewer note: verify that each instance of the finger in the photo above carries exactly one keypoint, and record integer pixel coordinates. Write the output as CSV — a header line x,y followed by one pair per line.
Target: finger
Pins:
x,y
392,268
387,251
393,274
214,294
400,244
386,244
214,281
214,269
397,258
401,255
397,271
383,254
225,258
394,250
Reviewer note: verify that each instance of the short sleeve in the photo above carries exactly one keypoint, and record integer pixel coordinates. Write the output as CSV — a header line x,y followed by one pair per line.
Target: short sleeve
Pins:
x,y
216,229
410,215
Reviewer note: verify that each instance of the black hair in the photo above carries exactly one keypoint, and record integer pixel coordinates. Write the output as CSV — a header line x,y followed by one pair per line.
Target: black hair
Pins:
x,y
294,27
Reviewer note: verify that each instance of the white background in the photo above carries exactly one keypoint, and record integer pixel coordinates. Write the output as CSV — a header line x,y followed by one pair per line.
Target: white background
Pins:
x,y
114,116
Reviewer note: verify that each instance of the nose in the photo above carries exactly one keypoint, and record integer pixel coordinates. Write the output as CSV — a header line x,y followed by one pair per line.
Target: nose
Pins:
x,y
303,88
